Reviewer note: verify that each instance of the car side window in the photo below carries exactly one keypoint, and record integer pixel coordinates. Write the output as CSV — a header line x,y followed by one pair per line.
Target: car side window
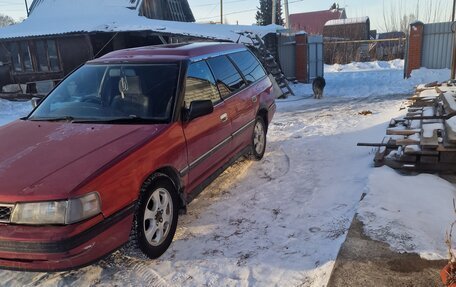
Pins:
x,y
249,65
227,77
200,84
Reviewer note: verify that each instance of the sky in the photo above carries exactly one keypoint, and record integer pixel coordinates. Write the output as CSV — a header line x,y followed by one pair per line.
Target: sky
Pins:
x,y
243,11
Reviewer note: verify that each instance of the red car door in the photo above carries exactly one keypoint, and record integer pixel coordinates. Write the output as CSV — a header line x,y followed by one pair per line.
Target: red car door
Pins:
x,y
208,138
242,95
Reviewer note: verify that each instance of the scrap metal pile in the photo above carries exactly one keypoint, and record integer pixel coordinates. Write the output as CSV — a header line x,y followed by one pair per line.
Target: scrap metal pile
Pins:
x,y
425,138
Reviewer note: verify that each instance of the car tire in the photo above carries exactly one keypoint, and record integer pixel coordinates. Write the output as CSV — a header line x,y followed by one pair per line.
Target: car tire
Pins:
x,y
258,140
156,218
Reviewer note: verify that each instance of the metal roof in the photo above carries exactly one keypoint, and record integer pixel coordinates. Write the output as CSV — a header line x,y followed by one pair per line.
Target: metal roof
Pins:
x,y
60,17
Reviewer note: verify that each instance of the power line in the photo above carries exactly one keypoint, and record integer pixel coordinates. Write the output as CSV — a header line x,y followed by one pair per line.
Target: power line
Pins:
x,y
242,11
10,3
214,4
226,14
213,8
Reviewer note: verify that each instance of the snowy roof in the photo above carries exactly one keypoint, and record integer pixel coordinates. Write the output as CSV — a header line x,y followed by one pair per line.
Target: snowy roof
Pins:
x,y
356,20
54,17
131,4
313,22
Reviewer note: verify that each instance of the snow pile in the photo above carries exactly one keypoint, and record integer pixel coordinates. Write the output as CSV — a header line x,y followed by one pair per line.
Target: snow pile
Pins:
x,y
347,21
360,80
410,213
10,111
397,64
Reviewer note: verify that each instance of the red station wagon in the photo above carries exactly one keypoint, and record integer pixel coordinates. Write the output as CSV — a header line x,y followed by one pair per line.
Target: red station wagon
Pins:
x,y
121,146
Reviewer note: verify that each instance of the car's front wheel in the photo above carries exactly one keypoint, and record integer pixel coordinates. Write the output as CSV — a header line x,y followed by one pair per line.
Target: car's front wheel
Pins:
x,y
258,139
156,218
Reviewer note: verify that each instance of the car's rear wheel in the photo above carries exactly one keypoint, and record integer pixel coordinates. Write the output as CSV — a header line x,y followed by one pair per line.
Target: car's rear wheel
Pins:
x,y
156,218
258,139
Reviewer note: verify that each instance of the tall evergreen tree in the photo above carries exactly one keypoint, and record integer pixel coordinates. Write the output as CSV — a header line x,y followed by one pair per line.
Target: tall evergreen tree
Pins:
x,y
264,13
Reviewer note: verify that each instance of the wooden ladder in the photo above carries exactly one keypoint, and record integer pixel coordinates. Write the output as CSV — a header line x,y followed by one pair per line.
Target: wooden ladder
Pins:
x,y
270,64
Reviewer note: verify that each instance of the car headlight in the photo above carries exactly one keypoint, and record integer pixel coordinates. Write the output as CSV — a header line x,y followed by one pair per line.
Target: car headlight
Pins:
x,y
57,212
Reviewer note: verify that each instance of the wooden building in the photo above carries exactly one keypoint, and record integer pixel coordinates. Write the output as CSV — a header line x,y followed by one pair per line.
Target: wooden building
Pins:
x,y
60,35
342,40
347,29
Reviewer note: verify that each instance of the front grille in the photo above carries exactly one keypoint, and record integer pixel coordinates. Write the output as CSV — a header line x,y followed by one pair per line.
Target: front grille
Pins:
x,y
5,212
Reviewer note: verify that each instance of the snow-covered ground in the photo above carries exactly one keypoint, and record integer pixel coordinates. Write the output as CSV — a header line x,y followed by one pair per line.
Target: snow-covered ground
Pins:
x,y
411,213
379,78
10,111
281,221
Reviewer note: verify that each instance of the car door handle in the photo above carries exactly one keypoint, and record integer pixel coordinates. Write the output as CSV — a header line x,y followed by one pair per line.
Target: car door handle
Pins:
x,y
224,117
254,99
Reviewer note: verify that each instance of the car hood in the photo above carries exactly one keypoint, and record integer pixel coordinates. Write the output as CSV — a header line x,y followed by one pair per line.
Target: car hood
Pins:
x,y
32,153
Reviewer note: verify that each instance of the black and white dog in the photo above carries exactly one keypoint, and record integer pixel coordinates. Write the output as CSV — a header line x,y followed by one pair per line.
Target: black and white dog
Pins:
x,y
318,86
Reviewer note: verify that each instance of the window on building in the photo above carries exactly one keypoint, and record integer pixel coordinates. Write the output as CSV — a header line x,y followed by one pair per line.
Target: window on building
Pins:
x,y
200,84
227,77
15,56
20,56
25,57
47,57
41,56
53,56
249,66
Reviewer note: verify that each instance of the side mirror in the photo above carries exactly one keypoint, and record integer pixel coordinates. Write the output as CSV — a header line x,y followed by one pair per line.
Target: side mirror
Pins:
x,y
36,101
198,109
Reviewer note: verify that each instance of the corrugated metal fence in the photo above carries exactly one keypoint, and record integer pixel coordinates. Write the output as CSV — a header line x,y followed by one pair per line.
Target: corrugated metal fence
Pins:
x,y
287,56
315,56
437,45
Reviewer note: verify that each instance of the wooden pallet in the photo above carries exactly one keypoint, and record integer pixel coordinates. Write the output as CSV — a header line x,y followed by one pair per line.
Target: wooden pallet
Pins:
x,y
424,139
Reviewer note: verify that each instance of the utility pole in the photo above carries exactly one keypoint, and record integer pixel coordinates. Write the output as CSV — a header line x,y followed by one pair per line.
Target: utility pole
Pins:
x,y
27,9
274,11
454,7
287,14
221,11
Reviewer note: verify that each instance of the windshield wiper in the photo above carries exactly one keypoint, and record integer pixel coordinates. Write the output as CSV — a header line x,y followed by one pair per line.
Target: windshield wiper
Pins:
x,y
123,120
53,119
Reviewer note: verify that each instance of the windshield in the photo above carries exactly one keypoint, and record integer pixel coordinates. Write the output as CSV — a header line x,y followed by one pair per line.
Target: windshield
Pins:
x,y
113,92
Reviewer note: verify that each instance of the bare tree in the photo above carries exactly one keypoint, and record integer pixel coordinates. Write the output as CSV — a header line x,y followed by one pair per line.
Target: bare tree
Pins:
x,y
6,20
398,15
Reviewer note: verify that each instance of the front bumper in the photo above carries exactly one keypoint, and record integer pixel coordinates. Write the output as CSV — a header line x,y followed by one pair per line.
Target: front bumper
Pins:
x,y
58,248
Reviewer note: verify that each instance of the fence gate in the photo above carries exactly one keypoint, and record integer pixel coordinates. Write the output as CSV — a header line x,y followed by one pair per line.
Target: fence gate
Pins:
x,y
287,55
437,46
315,56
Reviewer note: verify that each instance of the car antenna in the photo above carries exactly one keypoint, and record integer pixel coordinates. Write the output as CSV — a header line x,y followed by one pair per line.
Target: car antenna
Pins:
x,y
107,43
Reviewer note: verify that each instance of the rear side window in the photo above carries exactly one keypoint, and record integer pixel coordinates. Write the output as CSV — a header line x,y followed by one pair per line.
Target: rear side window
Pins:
x,y
200,84
249,66
226,76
